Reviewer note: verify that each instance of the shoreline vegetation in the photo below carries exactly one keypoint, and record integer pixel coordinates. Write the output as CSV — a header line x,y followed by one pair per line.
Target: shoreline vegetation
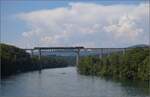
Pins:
x,y
15,60
133,65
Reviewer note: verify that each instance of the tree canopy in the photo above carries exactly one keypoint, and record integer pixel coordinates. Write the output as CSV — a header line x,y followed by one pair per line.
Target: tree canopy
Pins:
x,y
134,64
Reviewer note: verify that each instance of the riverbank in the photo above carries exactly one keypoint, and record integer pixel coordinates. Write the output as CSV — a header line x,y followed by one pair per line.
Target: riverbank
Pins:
x,y
15,60
133,65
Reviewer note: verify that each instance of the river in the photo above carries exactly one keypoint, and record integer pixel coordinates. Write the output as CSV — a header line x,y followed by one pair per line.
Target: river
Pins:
x,y
66,82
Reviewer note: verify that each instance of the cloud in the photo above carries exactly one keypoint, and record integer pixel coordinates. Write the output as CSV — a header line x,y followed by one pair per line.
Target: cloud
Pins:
x,y
87,24
125,27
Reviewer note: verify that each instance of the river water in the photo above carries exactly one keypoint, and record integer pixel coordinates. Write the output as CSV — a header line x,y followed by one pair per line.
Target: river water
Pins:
x,y
66,82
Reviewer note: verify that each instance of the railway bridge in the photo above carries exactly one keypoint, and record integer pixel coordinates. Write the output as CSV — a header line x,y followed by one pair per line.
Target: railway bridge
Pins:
x,y
77,50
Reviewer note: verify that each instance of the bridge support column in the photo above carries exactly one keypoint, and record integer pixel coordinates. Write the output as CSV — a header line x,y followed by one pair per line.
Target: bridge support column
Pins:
x,y
77,57
31,53
39,54
101,53
40,59
124,51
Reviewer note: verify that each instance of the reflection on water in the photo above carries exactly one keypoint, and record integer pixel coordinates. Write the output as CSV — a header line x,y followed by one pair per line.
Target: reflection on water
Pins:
x,y
66,82
139,87
133,88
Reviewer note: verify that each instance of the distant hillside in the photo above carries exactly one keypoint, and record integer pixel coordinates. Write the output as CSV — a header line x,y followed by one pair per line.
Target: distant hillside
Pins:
x,y
140,46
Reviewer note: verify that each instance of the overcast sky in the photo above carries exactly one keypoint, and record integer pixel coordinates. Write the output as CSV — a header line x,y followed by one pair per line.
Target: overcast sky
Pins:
x,y
111,23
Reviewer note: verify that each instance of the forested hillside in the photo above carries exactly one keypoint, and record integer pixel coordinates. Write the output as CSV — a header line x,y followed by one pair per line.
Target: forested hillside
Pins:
x,y
16,60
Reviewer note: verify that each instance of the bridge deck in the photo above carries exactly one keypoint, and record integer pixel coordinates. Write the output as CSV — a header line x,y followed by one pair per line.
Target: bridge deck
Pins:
x,y
58,47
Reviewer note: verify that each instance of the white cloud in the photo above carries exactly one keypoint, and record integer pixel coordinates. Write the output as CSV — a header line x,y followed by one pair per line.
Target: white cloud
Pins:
x,y
88,23
126,27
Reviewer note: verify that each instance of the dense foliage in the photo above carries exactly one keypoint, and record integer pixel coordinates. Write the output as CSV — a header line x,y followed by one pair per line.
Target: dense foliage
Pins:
x,y
134,64
49,62
15,60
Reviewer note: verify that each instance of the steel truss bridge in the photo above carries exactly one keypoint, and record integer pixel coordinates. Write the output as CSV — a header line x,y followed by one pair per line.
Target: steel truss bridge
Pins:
x,y
77,50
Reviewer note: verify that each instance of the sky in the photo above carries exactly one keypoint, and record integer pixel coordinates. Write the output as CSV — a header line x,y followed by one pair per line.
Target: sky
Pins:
x,y
97,23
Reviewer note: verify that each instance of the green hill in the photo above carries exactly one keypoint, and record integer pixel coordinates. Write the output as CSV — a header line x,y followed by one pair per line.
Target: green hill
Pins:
x,y
15,60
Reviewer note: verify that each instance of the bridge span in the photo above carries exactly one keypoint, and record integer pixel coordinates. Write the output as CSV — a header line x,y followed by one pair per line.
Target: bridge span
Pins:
x,y
77,50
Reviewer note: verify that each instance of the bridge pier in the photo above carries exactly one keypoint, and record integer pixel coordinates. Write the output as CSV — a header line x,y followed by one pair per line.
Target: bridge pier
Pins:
x,y
77,57
39,54
101,53
31,53
39,59
124,51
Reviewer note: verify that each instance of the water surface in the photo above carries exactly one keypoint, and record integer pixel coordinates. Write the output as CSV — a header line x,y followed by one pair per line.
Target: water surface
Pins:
x,y
66,82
